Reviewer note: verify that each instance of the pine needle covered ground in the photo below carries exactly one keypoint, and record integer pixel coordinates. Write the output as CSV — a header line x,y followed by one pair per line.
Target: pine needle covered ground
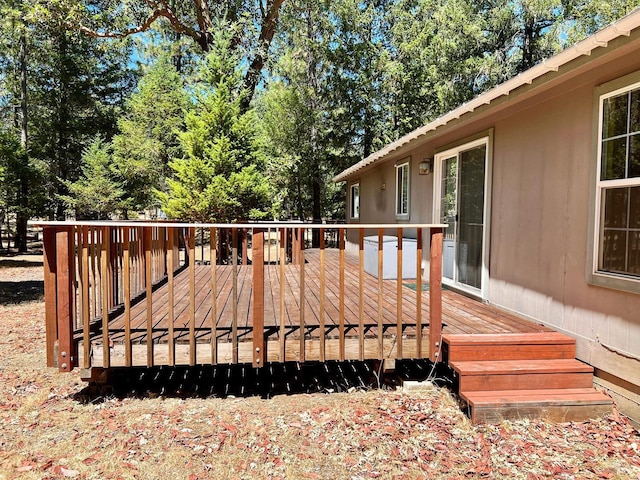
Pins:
x,y
48,431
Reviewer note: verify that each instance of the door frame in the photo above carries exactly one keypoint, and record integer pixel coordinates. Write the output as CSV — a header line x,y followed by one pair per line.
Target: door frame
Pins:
x,y
485,139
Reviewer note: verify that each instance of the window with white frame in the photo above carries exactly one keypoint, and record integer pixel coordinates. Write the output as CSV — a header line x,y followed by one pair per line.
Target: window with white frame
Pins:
x,y
402,189
354,201
618,184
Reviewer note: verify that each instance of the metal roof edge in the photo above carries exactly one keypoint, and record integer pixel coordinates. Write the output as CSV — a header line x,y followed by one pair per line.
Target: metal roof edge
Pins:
x,y
601,38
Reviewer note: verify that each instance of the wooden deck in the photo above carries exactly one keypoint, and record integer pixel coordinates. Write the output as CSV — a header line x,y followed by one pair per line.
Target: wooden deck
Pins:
x,y
233,343
133,294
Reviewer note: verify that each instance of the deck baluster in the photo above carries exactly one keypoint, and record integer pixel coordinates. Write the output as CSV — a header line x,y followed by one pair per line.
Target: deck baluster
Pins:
x,y
147,241
419,293
283,286
83,265
322,297
341,340
361,292
435,294
171,293
104,257
126,261
192,296
234,325
399,275
213,259
380,292
302,292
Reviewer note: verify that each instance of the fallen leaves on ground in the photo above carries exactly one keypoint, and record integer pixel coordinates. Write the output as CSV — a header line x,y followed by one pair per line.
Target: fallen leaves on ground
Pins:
x,y
46,433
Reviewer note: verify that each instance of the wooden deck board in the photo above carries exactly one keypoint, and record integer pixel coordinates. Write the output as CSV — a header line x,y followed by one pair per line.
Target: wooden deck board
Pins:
x,y
461,315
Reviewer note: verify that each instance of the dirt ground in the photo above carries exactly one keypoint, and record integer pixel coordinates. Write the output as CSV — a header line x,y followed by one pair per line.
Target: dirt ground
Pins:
x,y
52,426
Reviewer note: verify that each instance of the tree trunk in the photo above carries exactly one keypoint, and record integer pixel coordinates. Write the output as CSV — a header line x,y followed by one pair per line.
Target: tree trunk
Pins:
x,y
64,168
316,187
267,31
299,205
21,214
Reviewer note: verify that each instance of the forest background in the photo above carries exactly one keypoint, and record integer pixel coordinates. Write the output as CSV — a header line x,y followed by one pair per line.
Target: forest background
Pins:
x,y
240,110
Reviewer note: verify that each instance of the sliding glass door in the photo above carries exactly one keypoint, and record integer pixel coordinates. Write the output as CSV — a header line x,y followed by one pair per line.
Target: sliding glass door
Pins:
x,y
460,202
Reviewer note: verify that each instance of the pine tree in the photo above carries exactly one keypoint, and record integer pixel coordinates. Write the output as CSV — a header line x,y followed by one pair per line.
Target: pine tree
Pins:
x,y
98,193
148,133
220,176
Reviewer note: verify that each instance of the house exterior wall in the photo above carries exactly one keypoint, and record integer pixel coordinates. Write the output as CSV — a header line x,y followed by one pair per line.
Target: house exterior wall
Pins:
x,y
543,151
541,195
378,197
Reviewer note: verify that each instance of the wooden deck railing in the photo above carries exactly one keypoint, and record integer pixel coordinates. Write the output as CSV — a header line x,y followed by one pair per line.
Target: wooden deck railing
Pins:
x,y
98,273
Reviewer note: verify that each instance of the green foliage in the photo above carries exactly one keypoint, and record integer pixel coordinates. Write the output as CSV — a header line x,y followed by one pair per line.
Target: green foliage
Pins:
x,y
148,133
220,176
98,193
20,179
76,86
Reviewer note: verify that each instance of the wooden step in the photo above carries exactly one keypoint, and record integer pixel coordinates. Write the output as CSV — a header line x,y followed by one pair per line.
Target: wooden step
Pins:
x,y
559,405
522,374
508,346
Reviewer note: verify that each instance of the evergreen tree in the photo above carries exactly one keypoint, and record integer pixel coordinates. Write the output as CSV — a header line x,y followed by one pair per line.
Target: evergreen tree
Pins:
x,y
220,176
98,193
20,181
148,133
74,88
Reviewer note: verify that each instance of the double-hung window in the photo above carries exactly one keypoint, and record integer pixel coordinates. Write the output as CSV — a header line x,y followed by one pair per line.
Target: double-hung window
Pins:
x,y
402,189
354,201
618,185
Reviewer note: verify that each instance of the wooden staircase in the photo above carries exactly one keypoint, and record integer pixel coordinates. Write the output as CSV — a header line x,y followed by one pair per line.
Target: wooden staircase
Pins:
x,y
523,375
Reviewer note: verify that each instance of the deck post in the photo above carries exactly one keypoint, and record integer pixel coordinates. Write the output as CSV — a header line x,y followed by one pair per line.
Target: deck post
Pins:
x,y
419,293
257,247
435,294
65,263
50,281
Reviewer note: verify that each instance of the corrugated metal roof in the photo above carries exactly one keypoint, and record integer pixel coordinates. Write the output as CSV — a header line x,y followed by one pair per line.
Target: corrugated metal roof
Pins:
x,y
622,27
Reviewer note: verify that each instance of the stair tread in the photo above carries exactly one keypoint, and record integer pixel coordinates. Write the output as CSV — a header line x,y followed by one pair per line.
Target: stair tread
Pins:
x,y
536,338
518,367
567,396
